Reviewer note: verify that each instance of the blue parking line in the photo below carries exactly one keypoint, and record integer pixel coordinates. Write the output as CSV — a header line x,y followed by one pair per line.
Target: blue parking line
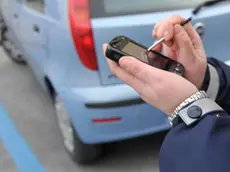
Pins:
x,y
16,146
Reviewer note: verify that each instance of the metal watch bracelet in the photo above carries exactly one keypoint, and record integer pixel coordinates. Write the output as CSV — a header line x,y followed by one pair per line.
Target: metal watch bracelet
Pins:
x,y
197,96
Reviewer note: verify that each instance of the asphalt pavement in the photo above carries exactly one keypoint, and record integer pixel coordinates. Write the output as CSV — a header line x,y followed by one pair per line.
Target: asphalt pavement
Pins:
x,y
33,119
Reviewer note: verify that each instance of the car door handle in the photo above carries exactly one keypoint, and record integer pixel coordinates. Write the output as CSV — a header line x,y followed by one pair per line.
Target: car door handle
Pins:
x,y
36,28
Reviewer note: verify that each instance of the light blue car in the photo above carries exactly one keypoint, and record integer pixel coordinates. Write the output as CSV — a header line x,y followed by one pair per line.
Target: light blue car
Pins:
x,y
62,41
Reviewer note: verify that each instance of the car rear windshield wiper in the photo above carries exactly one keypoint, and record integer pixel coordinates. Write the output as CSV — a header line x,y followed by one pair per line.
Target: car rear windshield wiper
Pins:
x,y
206,4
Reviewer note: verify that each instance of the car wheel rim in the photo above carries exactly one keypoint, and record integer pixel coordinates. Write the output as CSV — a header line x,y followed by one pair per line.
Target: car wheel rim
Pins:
x,y
11,48
64,125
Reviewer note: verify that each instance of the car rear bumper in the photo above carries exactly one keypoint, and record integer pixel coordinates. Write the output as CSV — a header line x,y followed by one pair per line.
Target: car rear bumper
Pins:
x,y
106,114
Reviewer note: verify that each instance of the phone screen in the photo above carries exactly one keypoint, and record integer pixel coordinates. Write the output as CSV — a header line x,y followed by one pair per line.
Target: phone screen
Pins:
x,y
151,58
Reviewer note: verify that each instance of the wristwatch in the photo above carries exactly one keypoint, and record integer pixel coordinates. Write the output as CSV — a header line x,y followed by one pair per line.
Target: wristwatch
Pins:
x,y
198,109
195,107
198,95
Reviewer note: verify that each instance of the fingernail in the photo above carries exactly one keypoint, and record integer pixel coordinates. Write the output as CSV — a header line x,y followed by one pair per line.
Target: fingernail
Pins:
x,y
124,59
166,35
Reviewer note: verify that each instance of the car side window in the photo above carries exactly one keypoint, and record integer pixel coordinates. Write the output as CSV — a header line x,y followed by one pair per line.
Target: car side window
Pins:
x,y
37,5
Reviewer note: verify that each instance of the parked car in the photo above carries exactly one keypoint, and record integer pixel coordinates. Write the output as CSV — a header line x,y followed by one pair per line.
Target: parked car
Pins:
x,y
62,41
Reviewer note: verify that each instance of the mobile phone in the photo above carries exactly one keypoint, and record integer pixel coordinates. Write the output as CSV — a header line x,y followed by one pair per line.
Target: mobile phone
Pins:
x,y
124,46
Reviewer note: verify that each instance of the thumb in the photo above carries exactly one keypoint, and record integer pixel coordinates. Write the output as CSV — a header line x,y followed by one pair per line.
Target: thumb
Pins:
x,y
138,69
183,41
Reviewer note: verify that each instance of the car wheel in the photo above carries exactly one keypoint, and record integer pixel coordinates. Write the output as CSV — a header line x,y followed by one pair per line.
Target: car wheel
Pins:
x,y
10,48
80,152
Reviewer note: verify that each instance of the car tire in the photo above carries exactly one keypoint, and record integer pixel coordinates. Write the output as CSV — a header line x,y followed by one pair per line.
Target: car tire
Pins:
x,y
10,48
2,26
79,152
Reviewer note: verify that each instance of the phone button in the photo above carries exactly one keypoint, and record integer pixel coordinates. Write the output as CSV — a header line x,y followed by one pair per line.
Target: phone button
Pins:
x,y
177,69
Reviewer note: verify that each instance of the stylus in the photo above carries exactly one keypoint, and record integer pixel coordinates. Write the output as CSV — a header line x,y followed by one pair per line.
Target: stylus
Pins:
x,y
162,39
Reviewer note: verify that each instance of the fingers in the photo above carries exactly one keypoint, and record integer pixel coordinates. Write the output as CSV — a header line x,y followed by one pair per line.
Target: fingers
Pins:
x,y
165,30
166,26
161,27
182,40
168,35
126,77
130,68
121,73
140,70
132,71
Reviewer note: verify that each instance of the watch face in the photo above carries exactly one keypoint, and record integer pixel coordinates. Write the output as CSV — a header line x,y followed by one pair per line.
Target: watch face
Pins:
x,y
194,112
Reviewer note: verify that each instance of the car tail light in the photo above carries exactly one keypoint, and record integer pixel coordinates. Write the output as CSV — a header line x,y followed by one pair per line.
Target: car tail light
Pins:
x,y
81,30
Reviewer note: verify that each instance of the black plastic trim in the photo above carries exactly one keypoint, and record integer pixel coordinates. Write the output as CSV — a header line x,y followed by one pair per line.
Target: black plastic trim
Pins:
x,y
115,104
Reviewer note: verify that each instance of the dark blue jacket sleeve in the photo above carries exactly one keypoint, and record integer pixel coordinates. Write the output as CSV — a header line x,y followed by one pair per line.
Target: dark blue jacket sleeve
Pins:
x,y
205,146
223,70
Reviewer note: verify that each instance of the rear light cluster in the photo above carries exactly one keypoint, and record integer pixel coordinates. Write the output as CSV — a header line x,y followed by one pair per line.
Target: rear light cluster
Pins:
x,y
81,30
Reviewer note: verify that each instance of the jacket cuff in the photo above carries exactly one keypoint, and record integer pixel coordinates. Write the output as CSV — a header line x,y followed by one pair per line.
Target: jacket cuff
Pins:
x,y
214,83
211,82
206,80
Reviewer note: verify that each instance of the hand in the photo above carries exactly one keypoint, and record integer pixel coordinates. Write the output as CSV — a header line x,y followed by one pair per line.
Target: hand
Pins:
x,y
161,89
184,45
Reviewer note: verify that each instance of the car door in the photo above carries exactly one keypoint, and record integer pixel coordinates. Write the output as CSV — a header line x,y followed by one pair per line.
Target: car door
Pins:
x,y
11,13
5,10
33,35
14,20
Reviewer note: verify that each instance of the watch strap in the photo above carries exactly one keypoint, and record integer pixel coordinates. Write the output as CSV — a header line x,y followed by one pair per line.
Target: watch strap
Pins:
x,y
198,95
198,109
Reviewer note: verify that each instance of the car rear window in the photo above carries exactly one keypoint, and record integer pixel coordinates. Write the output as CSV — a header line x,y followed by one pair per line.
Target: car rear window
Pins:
x,y
107,8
